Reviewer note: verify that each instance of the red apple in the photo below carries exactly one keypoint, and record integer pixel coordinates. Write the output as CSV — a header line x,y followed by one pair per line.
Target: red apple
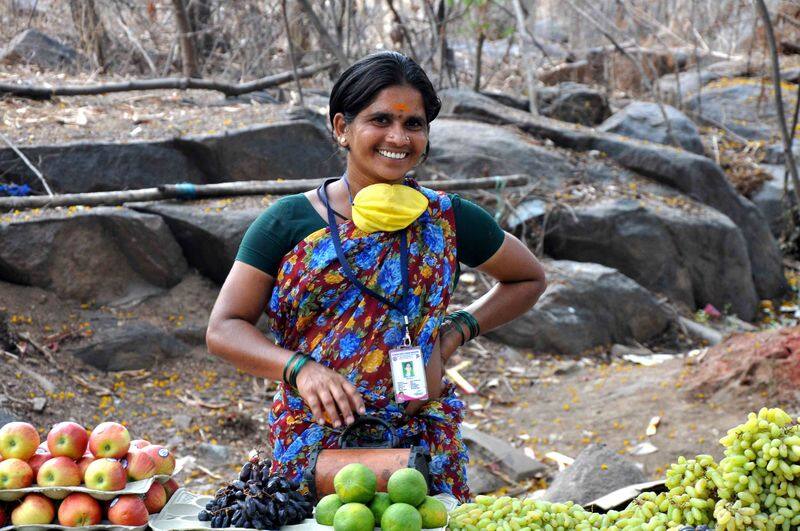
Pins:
x,y
127,509
15,474
18,440
79,510
34,509
105,474
156,498
170,486
139,465
84,462
59,472
162,457
38,458
139,444
68,439
109,439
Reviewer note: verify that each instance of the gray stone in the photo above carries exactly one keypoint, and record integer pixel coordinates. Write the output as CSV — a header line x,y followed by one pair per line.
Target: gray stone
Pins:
x,y
292,149
182,421
645,121
596,472
102,254
585,305
770,199
480,480
6,417
213,452
696,176
209,239
745,106
675,87
132,346
574,103
38,403
34,47
693,255
514,462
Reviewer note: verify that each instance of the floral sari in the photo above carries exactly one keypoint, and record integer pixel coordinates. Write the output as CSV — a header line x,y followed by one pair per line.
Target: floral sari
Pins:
x,y
315,309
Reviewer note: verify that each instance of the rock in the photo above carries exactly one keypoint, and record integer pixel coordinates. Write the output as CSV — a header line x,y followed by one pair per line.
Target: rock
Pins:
x,y
619,351
700,332
751,363
696,176
209,239
73,254
480,480
214,453
585,306
645,121
182,421
34,47
6,417
745,106
515,463
695,256
131,346
38,403
291,149
574,103
596,472
675,87
770,199
527,211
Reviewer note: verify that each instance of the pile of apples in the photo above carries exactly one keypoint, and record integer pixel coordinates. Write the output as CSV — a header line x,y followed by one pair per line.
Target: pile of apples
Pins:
x,y
104,459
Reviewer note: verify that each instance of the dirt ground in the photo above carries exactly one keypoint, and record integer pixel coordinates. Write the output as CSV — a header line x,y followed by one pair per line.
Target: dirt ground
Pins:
x,y
544,403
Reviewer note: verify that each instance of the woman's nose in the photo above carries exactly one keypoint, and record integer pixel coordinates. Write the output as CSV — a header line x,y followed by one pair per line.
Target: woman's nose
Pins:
x,y
398,135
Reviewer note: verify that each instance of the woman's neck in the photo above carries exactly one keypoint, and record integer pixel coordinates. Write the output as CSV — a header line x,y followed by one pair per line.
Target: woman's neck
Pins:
x,y
356,181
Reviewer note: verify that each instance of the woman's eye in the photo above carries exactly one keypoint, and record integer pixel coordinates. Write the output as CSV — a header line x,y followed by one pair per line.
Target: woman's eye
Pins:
x,y
414,124
380,120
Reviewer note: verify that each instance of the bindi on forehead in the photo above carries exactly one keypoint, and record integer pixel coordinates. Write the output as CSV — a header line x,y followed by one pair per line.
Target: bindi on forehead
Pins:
x,y
401,107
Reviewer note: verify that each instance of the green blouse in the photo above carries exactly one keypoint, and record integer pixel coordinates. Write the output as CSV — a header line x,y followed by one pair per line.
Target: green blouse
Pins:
x,y
291,218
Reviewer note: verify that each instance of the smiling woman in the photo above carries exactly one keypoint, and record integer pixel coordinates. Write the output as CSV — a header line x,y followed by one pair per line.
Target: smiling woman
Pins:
x,y
355,278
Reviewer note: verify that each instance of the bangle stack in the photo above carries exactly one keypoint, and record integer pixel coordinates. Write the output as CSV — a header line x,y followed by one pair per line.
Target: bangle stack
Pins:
x,y
296,362
460,317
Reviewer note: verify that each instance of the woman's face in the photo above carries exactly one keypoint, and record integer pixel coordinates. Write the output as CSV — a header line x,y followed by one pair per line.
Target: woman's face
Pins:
x,y
388,137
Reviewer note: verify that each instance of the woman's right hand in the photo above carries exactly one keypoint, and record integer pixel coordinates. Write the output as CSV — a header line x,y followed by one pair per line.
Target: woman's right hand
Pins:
x,y
330,394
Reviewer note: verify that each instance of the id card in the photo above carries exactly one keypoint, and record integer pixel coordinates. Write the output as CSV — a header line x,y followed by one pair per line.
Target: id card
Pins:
x,y
408,374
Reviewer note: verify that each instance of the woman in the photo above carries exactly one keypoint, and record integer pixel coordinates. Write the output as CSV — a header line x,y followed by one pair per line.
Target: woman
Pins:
x,y
342,303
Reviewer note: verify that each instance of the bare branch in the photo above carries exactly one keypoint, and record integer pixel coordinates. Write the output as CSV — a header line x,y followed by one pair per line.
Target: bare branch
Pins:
x,y
188,55
327,40
28,163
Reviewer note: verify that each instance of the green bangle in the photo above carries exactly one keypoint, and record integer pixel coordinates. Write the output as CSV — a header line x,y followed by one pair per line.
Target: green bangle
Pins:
x,y
291,359
463,316
297,368
457,325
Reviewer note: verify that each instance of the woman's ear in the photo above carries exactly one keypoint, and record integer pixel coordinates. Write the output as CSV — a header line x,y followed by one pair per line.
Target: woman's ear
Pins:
x,y
339,125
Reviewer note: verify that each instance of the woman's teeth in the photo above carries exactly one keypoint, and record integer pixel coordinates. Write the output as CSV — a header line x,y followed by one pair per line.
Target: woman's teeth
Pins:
x,y
392,155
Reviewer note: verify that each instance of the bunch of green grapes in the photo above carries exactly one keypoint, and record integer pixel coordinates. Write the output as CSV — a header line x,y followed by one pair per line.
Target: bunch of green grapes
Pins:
x,y
692,495
491,513
759,479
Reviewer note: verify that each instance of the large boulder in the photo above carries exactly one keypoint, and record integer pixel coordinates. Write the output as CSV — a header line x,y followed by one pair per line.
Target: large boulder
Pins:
x,y
696,176
771,201
646,121
132,346
745,106
290,149
568,102
102,254
585,306
209,238
34,47
694,255
597,471
675,87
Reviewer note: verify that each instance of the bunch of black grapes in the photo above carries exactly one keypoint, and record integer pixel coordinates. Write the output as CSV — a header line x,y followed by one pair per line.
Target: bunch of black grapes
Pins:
x,y
258,500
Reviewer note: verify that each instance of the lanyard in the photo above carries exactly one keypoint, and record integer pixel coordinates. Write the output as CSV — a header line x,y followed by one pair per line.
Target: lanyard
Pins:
x,y
402,307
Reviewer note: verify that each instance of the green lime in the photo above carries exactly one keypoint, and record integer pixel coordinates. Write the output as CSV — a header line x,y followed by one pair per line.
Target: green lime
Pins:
x,y
433,513
326,508
353,517
401,517
379,504
407,485
355,483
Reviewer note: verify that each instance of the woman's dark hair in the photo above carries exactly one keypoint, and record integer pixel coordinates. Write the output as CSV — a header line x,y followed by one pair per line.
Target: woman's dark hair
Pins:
x,y
360,84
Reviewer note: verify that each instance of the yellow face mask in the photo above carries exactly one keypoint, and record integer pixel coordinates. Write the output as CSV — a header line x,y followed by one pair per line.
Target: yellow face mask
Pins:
x,y
387,207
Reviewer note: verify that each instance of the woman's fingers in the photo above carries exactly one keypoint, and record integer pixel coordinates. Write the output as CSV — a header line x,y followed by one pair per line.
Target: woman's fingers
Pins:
x,y
342,402
356,402
314,405
330,407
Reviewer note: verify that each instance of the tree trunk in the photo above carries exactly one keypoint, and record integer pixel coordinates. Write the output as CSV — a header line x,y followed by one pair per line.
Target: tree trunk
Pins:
x,y
91,31
188,55
199,13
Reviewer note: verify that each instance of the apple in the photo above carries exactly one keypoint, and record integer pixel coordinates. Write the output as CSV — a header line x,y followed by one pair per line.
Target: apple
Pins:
x,y
34,509
139,443
156,498
109,439
105,474
127,509
79,510
84,462
38,458
170,486
139,465
59,472
162,457
68,439
15,474
18,440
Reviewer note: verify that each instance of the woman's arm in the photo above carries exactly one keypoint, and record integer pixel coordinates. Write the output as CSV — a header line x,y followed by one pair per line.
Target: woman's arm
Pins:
x,y
521,281
233,336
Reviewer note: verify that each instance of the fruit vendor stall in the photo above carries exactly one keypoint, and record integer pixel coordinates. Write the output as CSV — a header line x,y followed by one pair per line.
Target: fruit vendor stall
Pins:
x,y
103,479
